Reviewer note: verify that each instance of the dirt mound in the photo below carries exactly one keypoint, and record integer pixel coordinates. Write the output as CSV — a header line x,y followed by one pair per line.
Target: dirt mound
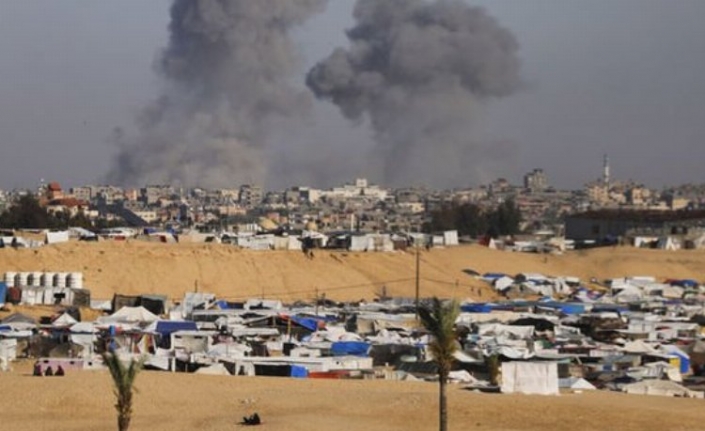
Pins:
x,y
135,267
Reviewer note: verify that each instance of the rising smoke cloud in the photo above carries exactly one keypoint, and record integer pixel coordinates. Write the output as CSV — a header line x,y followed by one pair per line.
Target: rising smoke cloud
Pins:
x,y
419,71
226,71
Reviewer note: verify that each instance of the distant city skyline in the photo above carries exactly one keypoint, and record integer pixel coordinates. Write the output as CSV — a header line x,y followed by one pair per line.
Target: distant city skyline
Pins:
x,y
619,78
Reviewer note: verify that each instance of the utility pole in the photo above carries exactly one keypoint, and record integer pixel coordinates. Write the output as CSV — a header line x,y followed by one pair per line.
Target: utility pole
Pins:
x,y
418,278
316,301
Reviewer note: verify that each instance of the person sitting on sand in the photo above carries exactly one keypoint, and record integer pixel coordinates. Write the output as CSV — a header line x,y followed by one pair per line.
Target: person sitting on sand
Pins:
x,y
37,370
59,371
49,371
252,420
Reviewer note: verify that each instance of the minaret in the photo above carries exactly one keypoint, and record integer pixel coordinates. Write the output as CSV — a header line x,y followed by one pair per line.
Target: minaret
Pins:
x,y
606,171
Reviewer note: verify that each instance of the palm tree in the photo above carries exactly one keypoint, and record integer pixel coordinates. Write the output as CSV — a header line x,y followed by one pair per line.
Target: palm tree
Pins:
x,y
439,320
123,375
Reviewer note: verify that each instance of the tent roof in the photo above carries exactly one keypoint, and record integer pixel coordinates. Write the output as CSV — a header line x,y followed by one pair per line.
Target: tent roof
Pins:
x,y
130,315
64,320
83,328
19,318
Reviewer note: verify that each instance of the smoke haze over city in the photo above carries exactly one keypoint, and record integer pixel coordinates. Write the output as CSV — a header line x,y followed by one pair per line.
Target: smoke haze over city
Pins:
x,y
285,92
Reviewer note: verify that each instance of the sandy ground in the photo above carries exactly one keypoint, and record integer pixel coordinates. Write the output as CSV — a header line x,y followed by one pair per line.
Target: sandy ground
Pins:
x,y
174,402
172,269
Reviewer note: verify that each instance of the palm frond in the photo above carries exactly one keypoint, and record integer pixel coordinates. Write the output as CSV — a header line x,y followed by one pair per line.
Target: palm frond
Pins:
x,y
123,376
439,320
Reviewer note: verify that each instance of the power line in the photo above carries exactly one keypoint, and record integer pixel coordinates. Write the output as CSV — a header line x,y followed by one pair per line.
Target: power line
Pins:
x,y
453,283
331,289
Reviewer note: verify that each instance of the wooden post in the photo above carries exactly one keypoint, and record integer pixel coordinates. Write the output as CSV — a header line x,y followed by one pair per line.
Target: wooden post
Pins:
x,y
418,279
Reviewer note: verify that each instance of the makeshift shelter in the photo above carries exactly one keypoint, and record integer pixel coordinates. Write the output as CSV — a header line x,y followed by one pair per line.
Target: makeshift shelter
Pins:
x,y
120,301
19,318
156,304
65,320
129,315
662,388
214,370
84,335
81,297
350,348
56,237
167,327
576,384
540,378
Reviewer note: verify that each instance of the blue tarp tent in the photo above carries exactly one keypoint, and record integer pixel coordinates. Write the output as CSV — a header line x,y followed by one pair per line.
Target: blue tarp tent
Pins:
x,y
350,348
225,305
564,307
477,307
166,327
683,357
3,293
684,283
596,308
307,322
297,371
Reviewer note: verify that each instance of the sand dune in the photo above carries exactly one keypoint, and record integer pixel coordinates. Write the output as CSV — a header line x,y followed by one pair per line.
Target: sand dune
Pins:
x,y
172,269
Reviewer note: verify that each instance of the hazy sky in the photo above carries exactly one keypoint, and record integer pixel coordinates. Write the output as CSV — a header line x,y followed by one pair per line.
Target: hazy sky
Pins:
x,y
622,77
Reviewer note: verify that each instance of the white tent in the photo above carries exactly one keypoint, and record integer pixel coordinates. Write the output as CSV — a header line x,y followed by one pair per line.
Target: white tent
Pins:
x,y
213,370
661,387
8,350
64,320
450,238
57,237
130,315
539,378
575,383
668,243
503,283
639,347
84,334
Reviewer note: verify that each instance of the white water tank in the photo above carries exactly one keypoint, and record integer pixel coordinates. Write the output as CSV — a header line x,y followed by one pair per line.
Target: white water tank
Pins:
x,y
75,280
48,279
10,279
21,279
60,279
35,279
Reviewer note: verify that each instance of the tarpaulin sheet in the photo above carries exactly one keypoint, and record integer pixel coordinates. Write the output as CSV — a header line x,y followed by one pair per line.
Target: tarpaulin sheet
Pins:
x,y
349,348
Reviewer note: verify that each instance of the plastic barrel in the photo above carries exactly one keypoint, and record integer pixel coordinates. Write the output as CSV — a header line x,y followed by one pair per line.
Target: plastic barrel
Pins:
x,y
10,279
35,279
21,279
75,280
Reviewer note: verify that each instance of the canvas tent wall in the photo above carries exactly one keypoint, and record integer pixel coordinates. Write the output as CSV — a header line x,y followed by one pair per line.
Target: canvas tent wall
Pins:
x,y
450,238
661,388
539,378
56,237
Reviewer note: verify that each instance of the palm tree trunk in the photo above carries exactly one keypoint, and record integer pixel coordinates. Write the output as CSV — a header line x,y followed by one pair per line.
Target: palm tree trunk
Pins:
x,y
442,403
123,422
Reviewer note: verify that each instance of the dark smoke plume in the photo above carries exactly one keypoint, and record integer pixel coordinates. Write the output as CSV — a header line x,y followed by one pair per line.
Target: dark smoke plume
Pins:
x,y
225,73
419,71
